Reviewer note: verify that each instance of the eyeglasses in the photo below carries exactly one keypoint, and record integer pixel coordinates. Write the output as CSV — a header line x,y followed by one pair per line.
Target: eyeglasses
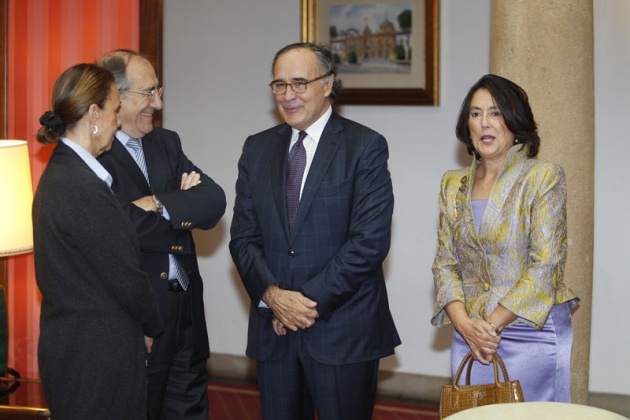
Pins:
x,y
151,95
279,88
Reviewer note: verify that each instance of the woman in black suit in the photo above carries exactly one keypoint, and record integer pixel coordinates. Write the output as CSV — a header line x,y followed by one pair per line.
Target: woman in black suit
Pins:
x,y
99,311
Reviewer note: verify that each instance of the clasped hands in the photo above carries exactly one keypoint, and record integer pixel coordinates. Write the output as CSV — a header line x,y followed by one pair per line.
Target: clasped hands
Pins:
x,y
291,310
188,181
482,338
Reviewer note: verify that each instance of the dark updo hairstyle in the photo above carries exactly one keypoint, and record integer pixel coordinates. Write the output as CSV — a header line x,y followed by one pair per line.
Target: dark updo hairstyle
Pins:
x,y
513,103
75,90
324,57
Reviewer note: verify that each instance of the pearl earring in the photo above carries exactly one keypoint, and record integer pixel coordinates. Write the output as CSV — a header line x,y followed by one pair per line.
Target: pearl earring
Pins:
x,y
95,129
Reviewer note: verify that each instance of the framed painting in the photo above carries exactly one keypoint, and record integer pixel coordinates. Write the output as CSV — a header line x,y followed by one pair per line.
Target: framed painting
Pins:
x,y
386,51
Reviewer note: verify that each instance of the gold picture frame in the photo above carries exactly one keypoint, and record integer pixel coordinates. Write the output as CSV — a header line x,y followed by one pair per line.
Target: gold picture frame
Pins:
x,y
377,56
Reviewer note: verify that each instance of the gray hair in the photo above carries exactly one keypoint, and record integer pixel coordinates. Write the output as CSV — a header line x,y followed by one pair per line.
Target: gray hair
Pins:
x,y
116,63
324,57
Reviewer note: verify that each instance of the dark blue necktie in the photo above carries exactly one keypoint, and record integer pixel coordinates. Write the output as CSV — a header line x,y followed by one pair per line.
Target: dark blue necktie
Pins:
x,y
296,163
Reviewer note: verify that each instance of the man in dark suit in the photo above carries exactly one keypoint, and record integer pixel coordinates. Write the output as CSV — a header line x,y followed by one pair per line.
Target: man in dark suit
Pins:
x,y
311,259
166,196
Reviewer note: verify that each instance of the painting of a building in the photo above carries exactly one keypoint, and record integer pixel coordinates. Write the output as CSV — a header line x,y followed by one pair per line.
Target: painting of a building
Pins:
x,y
382,46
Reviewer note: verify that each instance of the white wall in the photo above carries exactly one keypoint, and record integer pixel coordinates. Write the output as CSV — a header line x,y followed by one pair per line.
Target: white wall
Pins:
x,y
610,334
217,58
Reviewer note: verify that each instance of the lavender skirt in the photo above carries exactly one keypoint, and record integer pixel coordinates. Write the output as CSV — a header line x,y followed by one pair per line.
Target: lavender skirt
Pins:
x,y
539,359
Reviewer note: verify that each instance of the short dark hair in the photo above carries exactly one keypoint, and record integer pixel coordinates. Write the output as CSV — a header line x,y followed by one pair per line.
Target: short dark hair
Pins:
x,y
324,58
513,103
75,90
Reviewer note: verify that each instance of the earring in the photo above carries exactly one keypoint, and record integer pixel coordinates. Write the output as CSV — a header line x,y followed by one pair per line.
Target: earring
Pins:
x,y
515,141
95,129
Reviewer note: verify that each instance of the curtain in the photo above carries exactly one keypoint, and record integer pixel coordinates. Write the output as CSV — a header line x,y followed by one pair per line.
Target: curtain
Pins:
x,y
44,38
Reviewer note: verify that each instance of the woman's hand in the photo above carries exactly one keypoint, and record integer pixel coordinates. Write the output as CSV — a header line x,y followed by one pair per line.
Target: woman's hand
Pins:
x,y
480,336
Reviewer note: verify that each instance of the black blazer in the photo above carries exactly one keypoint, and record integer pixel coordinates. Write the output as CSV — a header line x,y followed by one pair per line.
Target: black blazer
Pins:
x,y
342,235
96,302
198,207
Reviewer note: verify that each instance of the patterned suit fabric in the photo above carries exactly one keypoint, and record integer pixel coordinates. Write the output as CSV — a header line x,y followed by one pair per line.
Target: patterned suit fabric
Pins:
x,y
341,237
517,259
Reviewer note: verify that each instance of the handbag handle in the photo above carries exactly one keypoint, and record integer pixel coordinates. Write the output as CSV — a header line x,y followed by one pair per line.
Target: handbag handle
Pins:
x,y
497,362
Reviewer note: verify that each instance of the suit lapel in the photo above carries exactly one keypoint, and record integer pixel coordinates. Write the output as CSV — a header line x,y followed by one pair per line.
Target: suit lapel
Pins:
x,y
279,174
502,189
120,153
326,150
155,163
463,203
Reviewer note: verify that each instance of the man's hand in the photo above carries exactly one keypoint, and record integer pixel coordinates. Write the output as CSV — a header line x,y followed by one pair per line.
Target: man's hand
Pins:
x,y
146,203
292,310
278,328
190,180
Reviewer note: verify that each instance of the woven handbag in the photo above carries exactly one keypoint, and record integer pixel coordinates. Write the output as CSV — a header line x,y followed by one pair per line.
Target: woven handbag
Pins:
x,y
455,398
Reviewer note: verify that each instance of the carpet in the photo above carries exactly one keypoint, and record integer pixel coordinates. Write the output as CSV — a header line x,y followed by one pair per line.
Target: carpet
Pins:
x,y
241,402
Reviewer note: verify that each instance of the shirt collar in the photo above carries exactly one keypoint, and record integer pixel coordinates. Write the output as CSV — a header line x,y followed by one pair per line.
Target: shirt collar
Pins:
x,y
122,137
90,161
317,128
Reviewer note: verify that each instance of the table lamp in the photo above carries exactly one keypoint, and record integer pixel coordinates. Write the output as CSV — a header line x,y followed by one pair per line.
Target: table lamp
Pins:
x,y
16,229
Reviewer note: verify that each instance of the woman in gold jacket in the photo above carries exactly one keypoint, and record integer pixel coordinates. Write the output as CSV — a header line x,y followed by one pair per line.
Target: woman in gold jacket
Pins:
x,y
502,242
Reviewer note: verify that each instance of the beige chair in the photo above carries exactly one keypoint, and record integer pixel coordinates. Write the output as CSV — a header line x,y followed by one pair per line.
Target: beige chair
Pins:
x,y
536,411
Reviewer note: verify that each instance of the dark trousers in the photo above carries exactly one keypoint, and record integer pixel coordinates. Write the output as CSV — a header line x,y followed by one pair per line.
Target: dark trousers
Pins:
x,y
295,386
178,379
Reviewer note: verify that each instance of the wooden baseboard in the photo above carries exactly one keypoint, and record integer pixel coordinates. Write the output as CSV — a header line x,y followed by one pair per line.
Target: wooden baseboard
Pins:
x,y
397,385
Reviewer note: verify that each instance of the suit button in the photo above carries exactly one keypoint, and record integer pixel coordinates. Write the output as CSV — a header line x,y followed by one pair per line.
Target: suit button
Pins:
x,y
163,276
291,253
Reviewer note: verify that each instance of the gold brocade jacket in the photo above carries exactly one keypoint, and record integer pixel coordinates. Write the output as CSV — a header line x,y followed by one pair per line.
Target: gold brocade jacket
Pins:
x,y
517,259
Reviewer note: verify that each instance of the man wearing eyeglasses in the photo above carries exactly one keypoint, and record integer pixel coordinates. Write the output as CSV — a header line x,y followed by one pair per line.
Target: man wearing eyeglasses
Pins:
x,y
311,228
165,196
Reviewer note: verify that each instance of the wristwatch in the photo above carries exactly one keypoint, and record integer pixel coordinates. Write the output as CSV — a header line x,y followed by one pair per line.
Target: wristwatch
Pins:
x,y
159,206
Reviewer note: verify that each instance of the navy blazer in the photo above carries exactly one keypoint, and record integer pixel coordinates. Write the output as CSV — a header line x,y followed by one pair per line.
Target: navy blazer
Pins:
x,y
341,237
199,207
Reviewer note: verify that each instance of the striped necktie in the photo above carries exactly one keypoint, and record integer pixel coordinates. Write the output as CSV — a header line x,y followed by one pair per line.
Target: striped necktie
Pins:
x,y
135,145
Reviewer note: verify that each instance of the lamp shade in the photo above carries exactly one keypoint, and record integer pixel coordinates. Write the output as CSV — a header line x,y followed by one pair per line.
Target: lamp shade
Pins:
x,y
16,198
